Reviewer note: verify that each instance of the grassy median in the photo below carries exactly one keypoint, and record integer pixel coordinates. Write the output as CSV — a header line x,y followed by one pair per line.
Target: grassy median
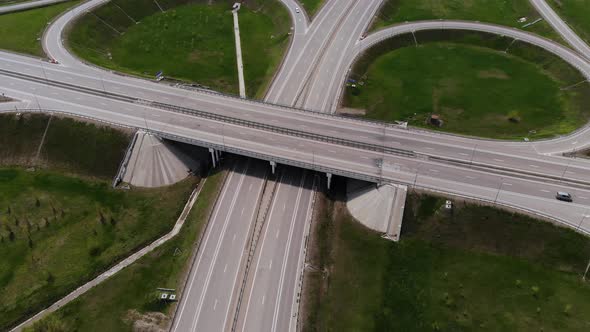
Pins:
x,y
191,40
505,13
311,6
478,268
130,298
472,84
575,13
21,31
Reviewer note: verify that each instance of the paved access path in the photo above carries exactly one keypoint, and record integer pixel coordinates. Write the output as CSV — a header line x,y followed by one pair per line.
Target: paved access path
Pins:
x,y
121,265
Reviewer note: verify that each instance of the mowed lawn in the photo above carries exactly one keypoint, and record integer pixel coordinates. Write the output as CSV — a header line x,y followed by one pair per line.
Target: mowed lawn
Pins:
x,y
311,6
57,231
500,12
576,13
190,42
20,30
479,269
131,295
476,91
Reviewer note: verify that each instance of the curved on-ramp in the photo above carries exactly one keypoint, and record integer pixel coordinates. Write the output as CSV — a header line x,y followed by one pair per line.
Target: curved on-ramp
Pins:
x,y
559,145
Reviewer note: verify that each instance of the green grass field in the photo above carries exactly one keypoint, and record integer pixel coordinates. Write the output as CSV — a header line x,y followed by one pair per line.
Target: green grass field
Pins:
x,y
575,13
116,303
491,11
477,91
21,30
70,146
57,231
479,269
311,6
190,42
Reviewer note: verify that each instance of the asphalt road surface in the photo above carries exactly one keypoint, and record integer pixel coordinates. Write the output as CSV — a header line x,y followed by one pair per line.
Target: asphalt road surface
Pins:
x,y
213,284
28,5
311,76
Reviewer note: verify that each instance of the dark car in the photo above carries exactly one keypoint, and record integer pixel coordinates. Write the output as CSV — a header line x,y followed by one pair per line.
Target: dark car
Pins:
x,y
562,196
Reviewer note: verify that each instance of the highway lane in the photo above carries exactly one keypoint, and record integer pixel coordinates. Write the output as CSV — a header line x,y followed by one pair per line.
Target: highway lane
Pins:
x,y
446,178
273,282
298,64
421,179
353,26
53,44
206,302
561,27
28,5
516,156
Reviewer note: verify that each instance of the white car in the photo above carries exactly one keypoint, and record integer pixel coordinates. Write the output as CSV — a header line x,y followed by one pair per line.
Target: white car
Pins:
x,y
297,9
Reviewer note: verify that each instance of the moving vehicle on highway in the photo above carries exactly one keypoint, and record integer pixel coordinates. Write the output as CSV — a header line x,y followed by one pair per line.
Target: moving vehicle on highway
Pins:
x,y
563,196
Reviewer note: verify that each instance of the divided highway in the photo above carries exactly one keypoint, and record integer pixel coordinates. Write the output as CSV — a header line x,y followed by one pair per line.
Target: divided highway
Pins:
x,y
513,174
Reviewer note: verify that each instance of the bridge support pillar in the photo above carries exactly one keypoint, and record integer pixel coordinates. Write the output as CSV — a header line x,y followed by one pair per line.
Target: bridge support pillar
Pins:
x,y
273,166
329,176
213,156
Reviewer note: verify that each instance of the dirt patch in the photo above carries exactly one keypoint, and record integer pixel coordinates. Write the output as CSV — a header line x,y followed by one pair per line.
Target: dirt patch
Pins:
x,y
352,111
147,322
493,73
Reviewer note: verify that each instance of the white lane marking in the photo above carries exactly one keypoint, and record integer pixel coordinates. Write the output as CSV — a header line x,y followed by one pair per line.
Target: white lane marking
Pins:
x,y
332,151
366,137
205,285
583,197
545,190
250,188
535,166
499,160
284,206
215,305
574,143
262,299
271,213
270,264
470,177
242,213
234,238
365,157
429,148
225,268
506,183
277,236
285,255
463,154
433,170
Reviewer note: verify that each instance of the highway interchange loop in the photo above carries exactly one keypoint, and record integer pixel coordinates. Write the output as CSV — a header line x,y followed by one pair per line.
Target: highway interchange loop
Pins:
x,y
517,175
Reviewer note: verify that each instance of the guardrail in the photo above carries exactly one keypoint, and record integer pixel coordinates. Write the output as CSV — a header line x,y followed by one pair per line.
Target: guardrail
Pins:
x,y
221,118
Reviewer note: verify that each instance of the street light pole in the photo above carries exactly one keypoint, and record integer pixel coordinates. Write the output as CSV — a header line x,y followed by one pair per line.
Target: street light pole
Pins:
x,y
499,189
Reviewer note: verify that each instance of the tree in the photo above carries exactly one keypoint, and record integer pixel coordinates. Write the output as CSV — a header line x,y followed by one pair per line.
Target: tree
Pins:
x,y
37,202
